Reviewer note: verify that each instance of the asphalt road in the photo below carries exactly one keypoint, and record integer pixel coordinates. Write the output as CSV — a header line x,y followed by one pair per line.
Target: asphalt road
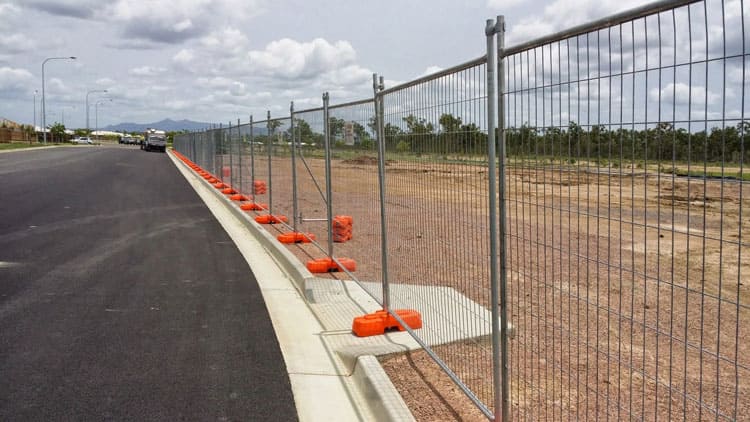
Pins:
x,y
121,297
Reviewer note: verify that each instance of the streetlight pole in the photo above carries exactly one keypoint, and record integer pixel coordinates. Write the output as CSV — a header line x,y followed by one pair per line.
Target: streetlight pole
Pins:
x,y
96,112
36,91
87,106
44,109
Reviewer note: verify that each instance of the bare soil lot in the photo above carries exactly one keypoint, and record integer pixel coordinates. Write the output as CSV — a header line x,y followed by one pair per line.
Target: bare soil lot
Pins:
x,y
627,288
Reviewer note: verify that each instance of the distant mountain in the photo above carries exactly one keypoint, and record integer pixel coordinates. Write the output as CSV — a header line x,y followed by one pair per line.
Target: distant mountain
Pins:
x,y
166,125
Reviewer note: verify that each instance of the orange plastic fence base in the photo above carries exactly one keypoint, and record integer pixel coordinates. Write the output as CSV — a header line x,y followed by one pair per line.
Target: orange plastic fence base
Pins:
x,y
270,219
259,187
295,237
254,207
228,191
380,322
328,265
220,185
239,197
342,228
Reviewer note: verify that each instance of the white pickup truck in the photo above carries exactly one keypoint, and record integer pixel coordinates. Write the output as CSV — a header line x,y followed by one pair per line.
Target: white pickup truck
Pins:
x,y
154,139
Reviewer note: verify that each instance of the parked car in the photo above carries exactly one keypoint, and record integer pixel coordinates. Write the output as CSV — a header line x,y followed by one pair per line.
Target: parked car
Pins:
x,y
84,140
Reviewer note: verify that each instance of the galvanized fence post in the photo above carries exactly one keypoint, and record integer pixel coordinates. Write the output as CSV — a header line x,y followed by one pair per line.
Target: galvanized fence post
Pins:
x,y
378,86
294,169
490,32
329,190
269,132
220,138
240,144
228,136
252,159
503,247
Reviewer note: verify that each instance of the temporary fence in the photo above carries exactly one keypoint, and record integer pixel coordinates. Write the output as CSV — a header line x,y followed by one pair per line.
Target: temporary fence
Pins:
x,y
567,214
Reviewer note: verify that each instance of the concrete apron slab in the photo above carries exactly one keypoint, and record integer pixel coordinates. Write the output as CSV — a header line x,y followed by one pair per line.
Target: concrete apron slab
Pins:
x,y
334,374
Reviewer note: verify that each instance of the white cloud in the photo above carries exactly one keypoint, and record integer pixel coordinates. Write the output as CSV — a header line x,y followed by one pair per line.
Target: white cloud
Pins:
x,y
15,80
147,71
682,93
502,4
184,56
349,76
561,14
16,43
229,40
178,105
177,20
288,58
430,70
105,82
8,9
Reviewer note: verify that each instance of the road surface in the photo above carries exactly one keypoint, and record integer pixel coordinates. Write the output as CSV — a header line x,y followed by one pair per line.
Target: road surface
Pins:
x,y
121,298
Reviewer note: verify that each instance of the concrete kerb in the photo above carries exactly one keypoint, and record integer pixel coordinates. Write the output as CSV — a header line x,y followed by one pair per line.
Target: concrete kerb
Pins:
x,y
374,396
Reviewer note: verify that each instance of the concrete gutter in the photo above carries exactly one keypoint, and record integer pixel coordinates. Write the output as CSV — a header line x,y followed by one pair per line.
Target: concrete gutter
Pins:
x,y
334,375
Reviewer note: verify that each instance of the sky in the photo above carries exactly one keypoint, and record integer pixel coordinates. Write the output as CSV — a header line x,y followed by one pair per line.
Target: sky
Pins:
x,y
220,60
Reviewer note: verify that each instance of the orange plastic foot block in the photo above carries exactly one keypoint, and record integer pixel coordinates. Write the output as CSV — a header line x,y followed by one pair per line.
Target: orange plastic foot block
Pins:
x,y
270,219
228,191
295,237
239,197
342,228
328,265
259,187
253,207
220,185
380,322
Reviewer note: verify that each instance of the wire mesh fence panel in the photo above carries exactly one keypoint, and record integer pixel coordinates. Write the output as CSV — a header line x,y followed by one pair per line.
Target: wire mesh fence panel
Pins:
x,y
437,218
626,197
354,181
310,183
207,152
260,163
216,142
281,172
246,160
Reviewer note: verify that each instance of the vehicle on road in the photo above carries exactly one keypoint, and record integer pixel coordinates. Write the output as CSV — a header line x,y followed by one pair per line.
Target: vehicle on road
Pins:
x,y
127,140
83,140
154,139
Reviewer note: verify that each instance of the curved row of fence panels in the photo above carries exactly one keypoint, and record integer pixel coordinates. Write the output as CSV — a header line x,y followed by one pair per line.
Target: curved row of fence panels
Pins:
x,y
569,215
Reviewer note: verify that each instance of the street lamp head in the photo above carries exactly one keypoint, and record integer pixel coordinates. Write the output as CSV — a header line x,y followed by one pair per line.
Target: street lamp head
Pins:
x,y
72,57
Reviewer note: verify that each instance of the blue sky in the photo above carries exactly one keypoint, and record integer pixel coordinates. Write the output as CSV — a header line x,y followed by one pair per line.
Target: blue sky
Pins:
x,y
216,60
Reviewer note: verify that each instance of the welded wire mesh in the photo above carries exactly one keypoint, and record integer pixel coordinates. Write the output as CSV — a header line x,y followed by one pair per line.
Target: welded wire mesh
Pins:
x,y
354,182
280,181
261,143
310,182
626,201
437,218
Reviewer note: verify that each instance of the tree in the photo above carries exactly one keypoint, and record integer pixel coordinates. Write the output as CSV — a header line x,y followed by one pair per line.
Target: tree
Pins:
x,y
418,126
336,127
58,131
361,135
450,123
273,125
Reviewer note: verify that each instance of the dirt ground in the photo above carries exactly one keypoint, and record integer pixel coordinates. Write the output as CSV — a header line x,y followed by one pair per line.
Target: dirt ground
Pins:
x,y
627,288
